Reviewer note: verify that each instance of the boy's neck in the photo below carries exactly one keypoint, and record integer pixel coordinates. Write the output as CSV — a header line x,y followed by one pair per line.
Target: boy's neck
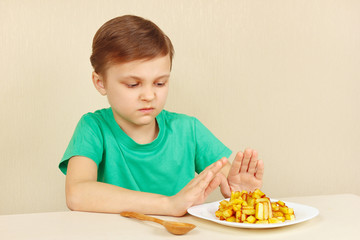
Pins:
x,y
142,134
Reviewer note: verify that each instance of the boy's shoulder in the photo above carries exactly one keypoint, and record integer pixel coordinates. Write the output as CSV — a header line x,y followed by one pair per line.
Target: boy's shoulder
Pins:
x,y
179,121
173,116
97,117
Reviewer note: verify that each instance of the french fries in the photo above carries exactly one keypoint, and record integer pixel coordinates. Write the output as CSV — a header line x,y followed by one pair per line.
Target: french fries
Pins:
x,y
253,208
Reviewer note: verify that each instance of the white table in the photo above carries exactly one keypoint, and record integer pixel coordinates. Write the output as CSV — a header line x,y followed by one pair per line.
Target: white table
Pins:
x,y
339,218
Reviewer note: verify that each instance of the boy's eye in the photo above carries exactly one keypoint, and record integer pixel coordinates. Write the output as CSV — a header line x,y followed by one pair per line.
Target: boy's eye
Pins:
x,y
132,85
160,84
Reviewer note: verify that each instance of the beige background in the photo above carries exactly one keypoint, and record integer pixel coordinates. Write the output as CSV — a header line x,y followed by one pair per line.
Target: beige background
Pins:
x,y
282,77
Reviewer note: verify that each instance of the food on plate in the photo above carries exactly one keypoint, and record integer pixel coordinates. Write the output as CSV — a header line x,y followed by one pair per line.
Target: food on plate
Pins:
x,y
254,208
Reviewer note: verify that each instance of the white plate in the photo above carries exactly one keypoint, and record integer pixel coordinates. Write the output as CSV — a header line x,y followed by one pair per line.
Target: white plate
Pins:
x,y
207,211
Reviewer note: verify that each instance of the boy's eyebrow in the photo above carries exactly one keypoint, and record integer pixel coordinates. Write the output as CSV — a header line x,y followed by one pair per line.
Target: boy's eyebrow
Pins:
x,y
139,78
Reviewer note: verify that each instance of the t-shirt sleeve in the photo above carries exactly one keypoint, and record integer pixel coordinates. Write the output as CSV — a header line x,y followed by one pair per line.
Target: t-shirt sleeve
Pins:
x,y
86,141
209,149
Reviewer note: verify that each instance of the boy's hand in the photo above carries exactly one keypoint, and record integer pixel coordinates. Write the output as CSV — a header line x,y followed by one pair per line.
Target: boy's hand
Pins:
x,y
198,189
246,171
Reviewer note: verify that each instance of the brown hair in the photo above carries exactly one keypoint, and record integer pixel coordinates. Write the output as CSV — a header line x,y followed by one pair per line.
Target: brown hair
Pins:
x,y
125,39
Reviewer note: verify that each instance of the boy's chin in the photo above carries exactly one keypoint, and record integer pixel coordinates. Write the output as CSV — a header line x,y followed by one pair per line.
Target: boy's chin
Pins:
x,y
146,120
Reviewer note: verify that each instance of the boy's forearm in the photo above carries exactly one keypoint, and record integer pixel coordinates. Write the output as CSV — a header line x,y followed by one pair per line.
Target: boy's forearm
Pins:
x,y
93,196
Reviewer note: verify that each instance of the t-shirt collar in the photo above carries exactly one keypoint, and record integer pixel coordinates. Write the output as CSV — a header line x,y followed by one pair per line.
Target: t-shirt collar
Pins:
x,y
124,140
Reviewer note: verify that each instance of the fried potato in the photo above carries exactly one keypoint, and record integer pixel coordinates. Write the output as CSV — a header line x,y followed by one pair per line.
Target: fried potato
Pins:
x,y
253,208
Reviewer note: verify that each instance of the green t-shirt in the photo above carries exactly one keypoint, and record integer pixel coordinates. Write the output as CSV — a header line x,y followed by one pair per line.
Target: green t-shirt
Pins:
x,y
164,166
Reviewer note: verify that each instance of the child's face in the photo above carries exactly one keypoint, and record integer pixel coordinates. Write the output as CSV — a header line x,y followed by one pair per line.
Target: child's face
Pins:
x,y
136,90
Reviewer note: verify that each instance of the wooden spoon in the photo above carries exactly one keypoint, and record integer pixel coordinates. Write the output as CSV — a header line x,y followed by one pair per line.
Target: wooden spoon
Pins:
x,y
177,228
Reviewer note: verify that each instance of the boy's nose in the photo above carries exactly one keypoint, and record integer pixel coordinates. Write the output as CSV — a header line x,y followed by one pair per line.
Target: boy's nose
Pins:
x,y
148,94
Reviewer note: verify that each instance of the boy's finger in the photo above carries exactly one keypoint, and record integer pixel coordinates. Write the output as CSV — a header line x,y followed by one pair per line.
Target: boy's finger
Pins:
x,y
209,173
214,183
209,176
203,180
245,162
236,164
218,165
253,163
224,186
259,170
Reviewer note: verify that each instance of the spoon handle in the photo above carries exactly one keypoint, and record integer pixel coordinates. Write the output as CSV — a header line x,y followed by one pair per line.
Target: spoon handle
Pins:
x,y
141,216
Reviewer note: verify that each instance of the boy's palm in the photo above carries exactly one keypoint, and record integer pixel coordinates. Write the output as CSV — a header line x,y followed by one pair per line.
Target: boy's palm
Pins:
x,y
246,172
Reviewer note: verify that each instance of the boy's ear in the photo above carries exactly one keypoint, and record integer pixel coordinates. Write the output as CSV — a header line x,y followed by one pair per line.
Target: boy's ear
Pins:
x,y
99,83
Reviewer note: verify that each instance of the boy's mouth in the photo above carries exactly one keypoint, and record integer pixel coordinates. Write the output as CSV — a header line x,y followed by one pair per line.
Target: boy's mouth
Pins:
x,y
146,110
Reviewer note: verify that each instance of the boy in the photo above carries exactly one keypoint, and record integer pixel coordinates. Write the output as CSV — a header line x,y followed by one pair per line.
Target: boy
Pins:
x,y
135,156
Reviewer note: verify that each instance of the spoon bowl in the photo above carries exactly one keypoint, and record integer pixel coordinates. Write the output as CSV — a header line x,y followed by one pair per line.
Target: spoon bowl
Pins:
x,y
178,228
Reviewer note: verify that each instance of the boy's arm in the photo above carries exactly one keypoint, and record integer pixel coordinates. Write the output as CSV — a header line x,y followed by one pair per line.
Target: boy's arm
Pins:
x,y
84,193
